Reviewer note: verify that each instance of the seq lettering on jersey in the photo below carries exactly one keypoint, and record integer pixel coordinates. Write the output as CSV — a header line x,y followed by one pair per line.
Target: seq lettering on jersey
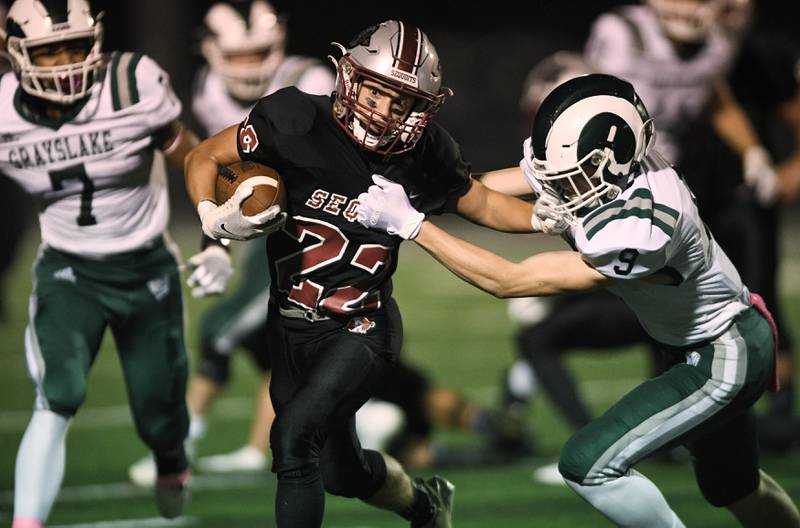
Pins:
x,y
333,203
59,149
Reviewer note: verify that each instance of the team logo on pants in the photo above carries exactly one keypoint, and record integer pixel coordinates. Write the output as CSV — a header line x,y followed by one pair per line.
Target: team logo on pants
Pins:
x,y
360,325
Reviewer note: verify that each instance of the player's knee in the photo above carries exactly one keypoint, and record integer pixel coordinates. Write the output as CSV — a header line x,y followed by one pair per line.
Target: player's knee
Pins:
x,y
355,482
67,398
577,458
721,487
162,431
292,442
214,365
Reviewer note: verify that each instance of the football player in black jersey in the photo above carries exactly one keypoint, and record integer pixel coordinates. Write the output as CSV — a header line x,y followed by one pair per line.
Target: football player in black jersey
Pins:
x,y
336,327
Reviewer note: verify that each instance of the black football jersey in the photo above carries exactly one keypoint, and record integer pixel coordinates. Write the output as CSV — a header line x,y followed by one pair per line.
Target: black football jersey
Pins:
x,y
323,259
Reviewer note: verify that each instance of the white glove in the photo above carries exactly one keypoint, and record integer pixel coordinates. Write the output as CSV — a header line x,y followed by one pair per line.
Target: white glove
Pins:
x,y
760,175
212,270
227,220
385,206
529,310
546,219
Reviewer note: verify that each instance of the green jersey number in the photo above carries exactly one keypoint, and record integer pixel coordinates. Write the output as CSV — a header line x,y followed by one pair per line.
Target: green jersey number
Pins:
x,y
77,172
627,257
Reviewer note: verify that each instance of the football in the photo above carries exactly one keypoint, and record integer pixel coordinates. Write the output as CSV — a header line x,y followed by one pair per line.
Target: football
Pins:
x,y
267,187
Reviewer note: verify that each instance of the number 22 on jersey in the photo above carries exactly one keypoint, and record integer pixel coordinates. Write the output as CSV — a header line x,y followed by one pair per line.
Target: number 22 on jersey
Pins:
x,y
328,246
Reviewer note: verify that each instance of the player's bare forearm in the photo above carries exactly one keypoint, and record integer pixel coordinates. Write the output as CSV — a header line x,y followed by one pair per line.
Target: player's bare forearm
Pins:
x,y
200,167
177,147
496,210
545,274
731,122
507,181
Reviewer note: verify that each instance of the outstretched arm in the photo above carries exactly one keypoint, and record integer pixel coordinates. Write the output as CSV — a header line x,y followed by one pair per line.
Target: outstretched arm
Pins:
x,y
549,273
494,209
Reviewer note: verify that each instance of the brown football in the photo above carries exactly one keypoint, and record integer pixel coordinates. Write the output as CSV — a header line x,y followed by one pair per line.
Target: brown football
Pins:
x,y
268,189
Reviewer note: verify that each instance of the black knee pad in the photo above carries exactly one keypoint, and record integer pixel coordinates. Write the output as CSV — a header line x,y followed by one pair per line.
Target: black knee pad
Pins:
x,y
352,483
214,365
293,445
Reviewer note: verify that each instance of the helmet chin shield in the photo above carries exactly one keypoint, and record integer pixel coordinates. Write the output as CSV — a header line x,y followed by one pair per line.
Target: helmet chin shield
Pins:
x,y
595,136
31,26
244,29
400,59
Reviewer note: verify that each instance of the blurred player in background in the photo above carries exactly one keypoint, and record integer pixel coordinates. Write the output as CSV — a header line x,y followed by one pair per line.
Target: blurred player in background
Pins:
x,y
16,211
742,161
245,50
331,301
634,229
672,51
408,407
86,135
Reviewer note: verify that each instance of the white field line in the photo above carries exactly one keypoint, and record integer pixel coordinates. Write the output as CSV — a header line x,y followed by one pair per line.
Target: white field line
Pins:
x,y
127,490
120,415
233,409
154,522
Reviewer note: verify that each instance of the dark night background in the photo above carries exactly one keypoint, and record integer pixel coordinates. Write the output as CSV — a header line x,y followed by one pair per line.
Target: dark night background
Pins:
x,y
486,49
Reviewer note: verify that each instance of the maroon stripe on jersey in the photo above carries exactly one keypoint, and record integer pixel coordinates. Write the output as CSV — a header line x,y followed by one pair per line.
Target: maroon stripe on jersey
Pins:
x,y
409,44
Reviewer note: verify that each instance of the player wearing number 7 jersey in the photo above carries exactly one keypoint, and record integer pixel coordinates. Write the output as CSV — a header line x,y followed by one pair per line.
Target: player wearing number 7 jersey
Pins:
x,y
335,331
86,135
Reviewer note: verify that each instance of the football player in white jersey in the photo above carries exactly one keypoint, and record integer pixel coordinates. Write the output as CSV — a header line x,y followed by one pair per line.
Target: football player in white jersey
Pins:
x,y
672,51
635,230
244,47
86,134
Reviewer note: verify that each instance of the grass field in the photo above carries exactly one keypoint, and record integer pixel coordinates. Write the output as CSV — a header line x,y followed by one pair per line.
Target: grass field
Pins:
x,y
460,335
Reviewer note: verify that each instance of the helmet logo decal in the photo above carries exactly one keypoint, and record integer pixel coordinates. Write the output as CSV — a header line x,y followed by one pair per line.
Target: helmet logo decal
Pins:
x,y
608,130
407,53
404,77
248,139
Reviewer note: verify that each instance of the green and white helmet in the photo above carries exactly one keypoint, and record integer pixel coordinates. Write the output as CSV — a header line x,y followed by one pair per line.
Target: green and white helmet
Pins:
x,y
587,141
33,23
244,26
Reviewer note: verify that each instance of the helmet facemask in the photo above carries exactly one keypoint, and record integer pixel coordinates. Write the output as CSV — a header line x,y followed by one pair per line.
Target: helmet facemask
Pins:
x,y
686,21
595,179
246,52
588,140
400,60
372,129
64,84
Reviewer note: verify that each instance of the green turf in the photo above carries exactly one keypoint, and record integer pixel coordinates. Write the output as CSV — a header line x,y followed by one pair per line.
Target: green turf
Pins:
x,y
459,334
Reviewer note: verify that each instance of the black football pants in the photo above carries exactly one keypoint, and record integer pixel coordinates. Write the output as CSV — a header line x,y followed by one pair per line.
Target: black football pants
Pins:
x,y
322,372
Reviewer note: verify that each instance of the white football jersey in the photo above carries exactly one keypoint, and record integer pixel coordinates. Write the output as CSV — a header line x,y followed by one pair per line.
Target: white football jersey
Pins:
x,y
215,109
96,176
654,228
629,43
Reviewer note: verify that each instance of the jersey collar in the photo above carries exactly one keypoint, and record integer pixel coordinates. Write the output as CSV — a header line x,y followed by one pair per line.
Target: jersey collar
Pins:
x,y
32,117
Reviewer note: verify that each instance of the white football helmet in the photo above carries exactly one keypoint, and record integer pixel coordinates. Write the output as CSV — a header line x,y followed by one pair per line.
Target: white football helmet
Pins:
x,y
400,57
587,141
33,23
687,21
241,28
